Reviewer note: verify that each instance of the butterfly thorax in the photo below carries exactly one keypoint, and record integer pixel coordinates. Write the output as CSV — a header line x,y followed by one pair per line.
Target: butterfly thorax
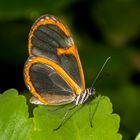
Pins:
x,y
80,99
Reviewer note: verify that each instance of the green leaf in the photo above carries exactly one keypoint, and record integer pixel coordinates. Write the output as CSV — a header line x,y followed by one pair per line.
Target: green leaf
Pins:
x,y
14,121
138,137
105,124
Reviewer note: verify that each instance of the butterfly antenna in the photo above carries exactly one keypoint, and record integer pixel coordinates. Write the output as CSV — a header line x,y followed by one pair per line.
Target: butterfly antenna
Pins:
x,y
100,71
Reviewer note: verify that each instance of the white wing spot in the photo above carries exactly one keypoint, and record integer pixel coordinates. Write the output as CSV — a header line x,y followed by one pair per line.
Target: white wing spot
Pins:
x,y
28,87
42,19
30,60
24,75
54,18
70,41
26,65
47,17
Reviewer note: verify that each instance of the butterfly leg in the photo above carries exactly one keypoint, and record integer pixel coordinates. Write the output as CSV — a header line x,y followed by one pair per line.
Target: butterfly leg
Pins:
x,y
91,114
64,118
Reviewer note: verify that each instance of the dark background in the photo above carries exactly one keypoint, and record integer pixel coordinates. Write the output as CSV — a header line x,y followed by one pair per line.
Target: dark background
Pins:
x,y
101,28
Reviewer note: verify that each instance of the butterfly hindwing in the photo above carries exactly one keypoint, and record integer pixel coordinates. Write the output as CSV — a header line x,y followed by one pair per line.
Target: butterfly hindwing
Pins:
x,y
46,84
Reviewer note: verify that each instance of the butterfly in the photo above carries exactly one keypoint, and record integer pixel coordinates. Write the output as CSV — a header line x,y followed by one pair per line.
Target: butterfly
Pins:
x,y
53,72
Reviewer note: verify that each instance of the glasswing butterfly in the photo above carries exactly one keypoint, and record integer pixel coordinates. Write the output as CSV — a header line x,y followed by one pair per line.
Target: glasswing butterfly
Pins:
x,y
53,72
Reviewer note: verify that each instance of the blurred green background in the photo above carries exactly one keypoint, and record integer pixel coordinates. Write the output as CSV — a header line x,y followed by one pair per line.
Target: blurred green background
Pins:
x,y
101,28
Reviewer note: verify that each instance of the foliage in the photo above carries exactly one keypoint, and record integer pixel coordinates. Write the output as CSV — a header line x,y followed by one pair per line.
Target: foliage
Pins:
x,y
138,137
15,123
